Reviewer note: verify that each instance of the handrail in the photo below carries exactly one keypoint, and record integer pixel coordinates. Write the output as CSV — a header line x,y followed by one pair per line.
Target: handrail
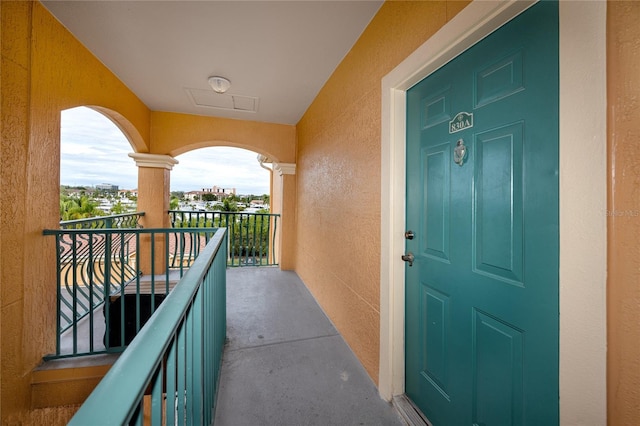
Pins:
x,y
175,358
125,220
252,236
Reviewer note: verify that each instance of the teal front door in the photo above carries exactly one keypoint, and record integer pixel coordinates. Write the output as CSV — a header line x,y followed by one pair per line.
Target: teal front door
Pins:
x,y
481,329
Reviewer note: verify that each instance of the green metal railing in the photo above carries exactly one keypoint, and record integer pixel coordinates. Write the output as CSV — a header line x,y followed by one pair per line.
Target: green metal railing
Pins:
x,y
252,236
103,296
81,260
127,220
169,373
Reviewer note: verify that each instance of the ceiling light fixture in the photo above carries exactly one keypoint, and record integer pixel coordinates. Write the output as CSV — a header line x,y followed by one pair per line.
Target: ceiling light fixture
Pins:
x,y
219,84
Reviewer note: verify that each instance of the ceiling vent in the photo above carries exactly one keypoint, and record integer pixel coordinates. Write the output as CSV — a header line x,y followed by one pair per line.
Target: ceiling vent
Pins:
x,y
211,99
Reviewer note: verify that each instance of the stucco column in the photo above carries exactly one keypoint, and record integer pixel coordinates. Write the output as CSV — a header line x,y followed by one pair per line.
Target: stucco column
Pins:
x,y
154,172
284,188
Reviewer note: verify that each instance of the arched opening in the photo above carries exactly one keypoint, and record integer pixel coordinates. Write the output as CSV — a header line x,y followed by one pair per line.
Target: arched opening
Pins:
x,y
98,189
228,187
97,177
207,177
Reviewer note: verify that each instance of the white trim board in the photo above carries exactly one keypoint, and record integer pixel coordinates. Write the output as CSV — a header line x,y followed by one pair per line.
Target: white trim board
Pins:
x,y
582,196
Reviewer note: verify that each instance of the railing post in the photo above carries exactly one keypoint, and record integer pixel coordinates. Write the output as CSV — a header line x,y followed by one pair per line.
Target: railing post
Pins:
x,y
198,356
272,240
152,254
107,263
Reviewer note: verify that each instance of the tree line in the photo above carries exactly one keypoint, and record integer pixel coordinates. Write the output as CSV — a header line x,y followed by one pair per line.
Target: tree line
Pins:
x,y
82,203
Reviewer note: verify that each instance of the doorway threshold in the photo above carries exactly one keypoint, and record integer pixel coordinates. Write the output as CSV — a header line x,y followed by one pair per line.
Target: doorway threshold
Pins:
x,y
409,412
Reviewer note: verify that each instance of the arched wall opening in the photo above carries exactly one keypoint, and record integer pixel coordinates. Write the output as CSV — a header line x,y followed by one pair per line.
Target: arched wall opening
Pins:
x,y
97,177
219,171
255,148
281,183
126,127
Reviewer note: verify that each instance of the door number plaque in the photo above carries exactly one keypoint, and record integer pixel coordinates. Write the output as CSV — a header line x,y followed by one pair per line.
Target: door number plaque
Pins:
x,y
462,120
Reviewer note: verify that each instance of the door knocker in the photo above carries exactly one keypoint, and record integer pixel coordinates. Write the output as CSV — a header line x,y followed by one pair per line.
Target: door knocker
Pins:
x,y
459,152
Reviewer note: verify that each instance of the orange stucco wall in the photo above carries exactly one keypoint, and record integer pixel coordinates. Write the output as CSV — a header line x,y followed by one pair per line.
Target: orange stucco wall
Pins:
x,y
44,70
175,134
338,175
623,295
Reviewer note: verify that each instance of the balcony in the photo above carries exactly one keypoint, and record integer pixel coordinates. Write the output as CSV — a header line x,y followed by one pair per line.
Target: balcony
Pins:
x,y
282,362
108,266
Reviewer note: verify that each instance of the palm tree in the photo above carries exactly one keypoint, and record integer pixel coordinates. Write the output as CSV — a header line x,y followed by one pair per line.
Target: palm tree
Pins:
x,y
73,208
174,203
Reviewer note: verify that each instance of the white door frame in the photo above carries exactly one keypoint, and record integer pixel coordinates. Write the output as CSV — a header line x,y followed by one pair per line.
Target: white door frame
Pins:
x,y
583,195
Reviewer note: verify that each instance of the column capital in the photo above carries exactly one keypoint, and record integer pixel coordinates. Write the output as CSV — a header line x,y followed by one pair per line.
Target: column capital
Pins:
x,y
157,161
285,168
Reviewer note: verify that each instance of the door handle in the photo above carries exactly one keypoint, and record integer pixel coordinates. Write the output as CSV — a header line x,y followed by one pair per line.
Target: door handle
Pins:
x,y
408,258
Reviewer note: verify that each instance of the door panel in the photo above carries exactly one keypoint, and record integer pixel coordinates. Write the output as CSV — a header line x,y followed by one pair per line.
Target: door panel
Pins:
x,y
436,195
498,364
435,362
481,326
499,79
498,220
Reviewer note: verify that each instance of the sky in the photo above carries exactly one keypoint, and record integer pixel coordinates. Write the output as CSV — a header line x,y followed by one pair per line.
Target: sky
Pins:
x,y
95,151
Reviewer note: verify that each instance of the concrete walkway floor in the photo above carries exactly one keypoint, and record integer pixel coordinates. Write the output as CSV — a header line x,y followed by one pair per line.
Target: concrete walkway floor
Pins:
x,y
285,364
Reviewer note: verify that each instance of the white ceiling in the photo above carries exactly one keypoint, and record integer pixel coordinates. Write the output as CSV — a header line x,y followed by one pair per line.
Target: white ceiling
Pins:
x,y
277,54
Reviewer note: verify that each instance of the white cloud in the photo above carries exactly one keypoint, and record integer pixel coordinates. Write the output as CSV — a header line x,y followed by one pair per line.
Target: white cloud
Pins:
x,y
220,166
94,151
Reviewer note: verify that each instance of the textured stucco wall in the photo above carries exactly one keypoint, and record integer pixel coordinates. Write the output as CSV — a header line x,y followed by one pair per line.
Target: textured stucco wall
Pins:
x,y
338,175
44,71
15,108
623,44
175,134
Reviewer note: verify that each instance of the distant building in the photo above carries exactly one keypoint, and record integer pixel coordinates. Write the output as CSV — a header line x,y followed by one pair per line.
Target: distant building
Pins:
x,y
193,195
259,204
219,192
107,187
123,193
